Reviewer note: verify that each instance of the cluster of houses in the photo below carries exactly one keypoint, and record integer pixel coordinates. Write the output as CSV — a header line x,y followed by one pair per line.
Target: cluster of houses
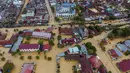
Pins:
x,y
100,9
121,48
31,47
86,63
77,33
9,10
16,41
94,9
35,13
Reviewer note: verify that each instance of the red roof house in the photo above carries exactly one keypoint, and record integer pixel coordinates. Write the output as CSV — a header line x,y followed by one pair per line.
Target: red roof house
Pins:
x,y
29,47
113,53
124,65
95,61
38,30
46,47
102,70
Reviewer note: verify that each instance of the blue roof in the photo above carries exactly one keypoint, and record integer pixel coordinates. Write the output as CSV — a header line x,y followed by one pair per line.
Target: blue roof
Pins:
x,y
84,50
16,44
122,47
118,52
68,4
127,43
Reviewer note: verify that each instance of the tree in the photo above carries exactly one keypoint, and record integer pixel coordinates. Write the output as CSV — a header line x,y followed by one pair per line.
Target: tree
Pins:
x,y
40,42
79,47
88,44
59,37
57,19
53,9
3,59
29,57
21,57
1,54
28,37
6,30
49,58
20,32
109,72
90,51
37,57
51,42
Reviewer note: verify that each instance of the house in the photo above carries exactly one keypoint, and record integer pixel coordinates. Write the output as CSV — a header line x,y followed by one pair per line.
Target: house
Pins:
x,y
29,47
46,47
85,66
5,42
102,70
124,65
74,50
16,44
68,41
127,43
84,50
115,53
121,47
66,31
27,68
95,61
43,35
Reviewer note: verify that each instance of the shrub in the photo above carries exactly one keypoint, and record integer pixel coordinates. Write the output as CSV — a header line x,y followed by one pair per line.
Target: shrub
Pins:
x,y
59,37
28,38
40,42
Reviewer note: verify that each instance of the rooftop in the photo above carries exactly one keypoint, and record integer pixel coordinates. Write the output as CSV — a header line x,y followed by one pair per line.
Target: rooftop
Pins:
x,y
124,65
27,68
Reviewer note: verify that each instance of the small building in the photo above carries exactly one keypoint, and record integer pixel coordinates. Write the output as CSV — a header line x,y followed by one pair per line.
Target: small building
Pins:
x,y
121,47
102,70
68,41
124,65
95,61
27,68
43,35
127,43
74,50
46,47
115,53
29,47
66,31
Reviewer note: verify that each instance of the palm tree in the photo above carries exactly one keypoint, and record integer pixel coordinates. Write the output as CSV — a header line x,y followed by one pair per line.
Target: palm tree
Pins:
x,y
29,57
3,59
21,57
49,58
